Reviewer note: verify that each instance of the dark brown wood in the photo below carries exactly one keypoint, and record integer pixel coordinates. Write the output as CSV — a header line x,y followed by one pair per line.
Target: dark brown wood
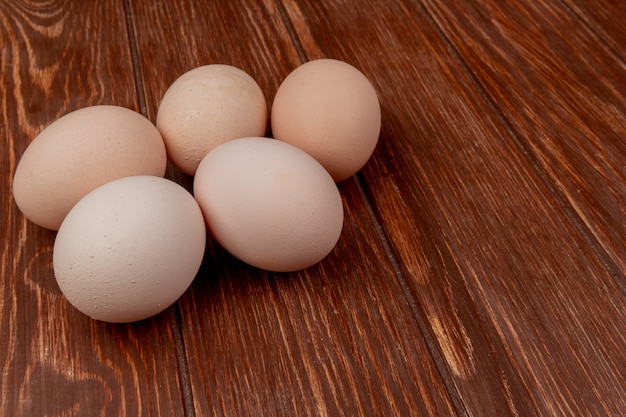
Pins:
x,y
57,57
333,340
315,343
481,270
461,201
562,93
604,18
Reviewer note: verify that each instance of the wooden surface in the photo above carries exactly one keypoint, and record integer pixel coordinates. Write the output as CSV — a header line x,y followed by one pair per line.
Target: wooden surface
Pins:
x,y
481,270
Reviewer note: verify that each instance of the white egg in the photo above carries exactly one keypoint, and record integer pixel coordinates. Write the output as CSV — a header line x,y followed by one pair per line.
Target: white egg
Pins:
x,y
129,248
269,203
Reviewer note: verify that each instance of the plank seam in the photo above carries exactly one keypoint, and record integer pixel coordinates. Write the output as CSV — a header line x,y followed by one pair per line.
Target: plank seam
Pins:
x,y
596,34
293,35
175,322
130,28
183,365
440,363
425,330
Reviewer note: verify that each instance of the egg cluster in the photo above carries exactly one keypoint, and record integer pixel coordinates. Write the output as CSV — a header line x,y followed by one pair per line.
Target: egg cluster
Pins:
x,y
130,242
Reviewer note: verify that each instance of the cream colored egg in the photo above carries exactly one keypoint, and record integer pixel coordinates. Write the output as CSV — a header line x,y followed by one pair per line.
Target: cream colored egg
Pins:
x,y
329,109
269,203
80,151
129,249
207,106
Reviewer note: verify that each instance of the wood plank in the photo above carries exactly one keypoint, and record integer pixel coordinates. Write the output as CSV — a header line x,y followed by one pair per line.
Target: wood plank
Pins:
x,y
337,339
478,273
333,340
191,34
57,57
529,319
562,92
605,18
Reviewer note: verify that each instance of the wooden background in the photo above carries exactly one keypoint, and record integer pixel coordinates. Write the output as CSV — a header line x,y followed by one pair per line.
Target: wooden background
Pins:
x,y
481,270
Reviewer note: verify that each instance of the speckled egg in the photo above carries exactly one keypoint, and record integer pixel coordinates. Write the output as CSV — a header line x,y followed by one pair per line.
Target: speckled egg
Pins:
x,y
129,248
207,106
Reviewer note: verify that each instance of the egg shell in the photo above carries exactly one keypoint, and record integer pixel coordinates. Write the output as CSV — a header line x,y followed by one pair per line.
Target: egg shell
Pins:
x,y
79,152
207,106
129,248
329,109
269,203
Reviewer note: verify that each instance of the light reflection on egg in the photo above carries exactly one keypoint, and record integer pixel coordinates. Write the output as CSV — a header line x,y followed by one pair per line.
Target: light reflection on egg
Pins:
x,y
129,248
79,152
207,106
129,243
329,109
269,203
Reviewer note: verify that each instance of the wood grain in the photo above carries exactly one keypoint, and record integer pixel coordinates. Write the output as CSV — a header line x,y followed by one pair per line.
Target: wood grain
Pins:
x,y
57,57
604,18
562,92
450,182
481,270
172,38
334,340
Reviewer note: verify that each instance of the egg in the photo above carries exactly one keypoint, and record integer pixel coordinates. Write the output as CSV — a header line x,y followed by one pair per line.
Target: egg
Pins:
x,y
79,152
269,203
207,106
129,249
329,109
